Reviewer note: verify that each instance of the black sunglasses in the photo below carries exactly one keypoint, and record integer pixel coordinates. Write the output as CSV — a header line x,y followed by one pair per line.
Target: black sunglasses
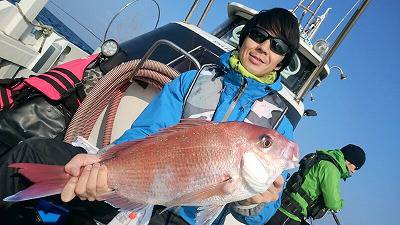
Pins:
x,y
277,45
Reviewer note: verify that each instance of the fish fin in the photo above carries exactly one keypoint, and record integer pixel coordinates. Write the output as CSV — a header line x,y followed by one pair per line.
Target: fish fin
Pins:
x,y
220,189
207,214
118,201
195,121
114,150
36,172
144,215
182,125
48,180
37,190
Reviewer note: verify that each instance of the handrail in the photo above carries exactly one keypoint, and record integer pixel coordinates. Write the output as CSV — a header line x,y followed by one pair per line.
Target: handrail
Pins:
x,y
154,46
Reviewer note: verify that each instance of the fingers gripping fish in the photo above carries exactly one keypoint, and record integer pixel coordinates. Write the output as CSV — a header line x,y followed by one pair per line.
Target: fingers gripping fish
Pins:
x,y
196,163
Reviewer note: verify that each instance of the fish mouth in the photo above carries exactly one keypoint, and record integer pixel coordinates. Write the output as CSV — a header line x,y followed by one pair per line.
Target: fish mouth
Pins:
x,y
295,152
292,152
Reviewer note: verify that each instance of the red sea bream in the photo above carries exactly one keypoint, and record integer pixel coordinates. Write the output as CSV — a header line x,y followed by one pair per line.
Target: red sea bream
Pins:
x,y
196,162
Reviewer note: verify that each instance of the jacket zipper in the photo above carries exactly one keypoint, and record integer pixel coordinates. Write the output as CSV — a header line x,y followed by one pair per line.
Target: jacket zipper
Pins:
x,y
235,100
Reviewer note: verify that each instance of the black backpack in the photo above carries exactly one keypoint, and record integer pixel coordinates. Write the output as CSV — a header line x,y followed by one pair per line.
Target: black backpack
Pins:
x,y
316,208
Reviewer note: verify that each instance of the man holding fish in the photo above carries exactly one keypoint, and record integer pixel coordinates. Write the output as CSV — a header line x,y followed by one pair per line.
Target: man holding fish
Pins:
x,y
195,162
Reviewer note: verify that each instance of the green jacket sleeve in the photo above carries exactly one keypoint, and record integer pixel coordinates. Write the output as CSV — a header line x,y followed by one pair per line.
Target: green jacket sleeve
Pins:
x,y
330,185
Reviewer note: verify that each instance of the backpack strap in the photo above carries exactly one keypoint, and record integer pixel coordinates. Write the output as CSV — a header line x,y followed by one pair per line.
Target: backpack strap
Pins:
x,y
60,91
68,73
78,83
60,78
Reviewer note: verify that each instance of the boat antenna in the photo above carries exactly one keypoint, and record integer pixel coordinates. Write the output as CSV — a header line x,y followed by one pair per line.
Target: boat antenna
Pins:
x,y
190,13
91,32
123,8
340,22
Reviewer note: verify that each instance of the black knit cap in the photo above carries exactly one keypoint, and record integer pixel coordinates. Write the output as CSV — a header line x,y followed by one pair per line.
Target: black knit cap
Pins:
x,y
354,154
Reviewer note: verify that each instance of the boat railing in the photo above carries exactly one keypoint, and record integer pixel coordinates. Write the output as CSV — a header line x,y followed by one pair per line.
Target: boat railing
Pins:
x,y
170,44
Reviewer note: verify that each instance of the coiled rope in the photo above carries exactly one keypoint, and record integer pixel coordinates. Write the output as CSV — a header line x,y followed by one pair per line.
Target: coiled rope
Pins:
x,y
109,91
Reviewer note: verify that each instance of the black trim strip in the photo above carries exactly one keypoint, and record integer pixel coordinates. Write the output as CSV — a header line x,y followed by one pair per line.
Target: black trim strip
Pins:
x,y
61,78
6,103
68,73
53,83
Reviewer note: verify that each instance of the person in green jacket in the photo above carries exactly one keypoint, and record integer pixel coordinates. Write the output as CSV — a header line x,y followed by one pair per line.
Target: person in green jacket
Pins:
x,y
315,188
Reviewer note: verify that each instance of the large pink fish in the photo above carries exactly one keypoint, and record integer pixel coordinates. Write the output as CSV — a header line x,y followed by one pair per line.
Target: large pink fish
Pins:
x,y
196,162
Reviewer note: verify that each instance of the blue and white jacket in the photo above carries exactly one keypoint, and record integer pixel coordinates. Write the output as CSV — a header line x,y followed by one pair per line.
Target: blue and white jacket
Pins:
x,y
166,110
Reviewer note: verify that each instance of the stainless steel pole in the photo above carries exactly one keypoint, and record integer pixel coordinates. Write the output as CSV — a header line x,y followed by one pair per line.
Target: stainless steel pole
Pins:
x,y
203,16
190,13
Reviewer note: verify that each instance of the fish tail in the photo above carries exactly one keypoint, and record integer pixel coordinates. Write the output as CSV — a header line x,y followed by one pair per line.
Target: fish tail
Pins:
x,y
48,180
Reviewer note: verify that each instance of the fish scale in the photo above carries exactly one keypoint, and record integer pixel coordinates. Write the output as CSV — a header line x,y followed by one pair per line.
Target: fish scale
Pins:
x,y
187,168
187,162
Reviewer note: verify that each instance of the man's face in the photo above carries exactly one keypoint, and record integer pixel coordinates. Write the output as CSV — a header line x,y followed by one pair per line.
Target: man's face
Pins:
x,y
257,58
350,167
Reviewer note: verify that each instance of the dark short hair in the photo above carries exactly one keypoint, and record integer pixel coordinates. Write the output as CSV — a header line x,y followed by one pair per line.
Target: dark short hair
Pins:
x,y
280,22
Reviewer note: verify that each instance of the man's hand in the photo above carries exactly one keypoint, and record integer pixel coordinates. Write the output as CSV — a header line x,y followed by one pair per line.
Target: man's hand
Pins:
x,y
272,194
89,178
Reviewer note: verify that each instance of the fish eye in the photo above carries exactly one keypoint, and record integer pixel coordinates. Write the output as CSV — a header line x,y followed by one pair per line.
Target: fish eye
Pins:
x,y
266,141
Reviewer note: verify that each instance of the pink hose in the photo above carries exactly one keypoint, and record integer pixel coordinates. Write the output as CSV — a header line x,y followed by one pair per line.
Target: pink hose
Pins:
x,y
109,91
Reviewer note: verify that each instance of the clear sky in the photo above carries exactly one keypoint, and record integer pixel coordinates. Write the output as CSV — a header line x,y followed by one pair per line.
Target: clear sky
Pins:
x,y
360,110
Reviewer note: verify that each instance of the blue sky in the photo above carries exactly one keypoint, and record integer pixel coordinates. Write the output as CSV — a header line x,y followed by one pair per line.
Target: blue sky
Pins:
x,y
360,110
